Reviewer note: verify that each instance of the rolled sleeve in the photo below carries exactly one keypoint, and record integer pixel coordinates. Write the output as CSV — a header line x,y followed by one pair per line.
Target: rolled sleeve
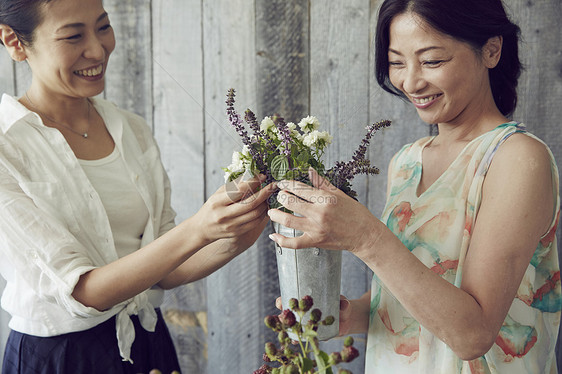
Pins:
x,y
41,249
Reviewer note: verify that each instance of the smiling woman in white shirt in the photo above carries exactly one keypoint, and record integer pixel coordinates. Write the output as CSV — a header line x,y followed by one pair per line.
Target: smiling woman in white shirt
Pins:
x,y
87,235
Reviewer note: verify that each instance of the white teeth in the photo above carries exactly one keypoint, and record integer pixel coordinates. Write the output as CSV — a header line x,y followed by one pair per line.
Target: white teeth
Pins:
x,y
425,99
90,72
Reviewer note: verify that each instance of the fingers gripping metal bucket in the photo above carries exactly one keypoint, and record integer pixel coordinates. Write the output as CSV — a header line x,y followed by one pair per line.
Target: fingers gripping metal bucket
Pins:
x,y
310,271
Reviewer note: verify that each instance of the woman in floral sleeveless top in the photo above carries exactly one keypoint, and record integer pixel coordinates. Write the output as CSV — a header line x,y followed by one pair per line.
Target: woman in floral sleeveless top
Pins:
x,y
467,278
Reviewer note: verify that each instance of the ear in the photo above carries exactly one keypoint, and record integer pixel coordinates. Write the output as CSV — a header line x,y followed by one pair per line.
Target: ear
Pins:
x,y
12,43
492,51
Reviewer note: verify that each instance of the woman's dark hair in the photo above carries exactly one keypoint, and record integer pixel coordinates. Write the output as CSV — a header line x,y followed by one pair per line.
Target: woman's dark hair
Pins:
x,y
23,16
473,22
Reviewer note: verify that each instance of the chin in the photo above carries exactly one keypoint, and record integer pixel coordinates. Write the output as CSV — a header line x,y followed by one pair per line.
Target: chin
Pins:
x,y
93,91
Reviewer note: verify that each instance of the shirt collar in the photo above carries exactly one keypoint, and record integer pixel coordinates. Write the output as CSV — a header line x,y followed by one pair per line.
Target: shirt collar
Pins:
x,y
12,111
111,117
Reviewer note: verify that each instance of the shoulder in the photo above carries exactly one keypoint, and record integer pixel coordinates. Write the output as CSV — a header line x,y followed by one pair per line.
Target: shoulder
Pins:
x,y
524,171
523,150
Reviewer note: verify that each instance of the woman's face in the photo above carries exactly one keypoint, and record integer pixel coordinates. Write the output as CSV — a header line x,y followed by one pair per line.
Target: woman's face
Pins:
x,y
444,78
71,48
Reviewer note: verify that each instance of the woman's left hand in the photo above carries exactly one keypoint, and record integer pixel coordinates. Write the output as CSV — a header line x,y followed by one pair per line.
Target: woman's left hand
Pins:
x,y
330,219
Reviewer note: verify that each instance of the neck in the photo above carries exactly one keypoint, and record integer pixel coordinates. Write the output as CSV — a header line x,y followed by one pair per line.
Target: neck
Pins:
x,y
66,110
466,129
72,118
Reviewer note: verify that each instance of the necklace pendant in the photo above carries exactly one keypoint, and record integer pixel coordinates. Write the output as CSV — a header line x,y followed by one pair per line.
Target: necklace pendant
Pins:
x,y
85,135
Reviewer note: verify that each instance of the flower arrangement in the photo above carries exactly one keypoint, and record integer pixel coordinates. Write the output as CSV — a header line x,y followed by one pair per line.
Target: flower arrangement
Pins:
x,y
281,150
291,361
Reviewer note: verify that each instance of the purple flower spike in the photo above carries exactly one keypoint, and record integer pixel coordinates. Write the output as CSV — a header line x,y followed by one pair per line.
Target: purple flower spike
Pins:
x,y
371,129
235,119
284,132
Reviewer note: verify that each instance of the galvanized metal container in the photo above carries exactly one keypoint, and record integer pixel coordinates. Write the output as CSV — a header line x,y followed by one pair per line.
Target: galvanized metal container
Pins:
x,y
310,271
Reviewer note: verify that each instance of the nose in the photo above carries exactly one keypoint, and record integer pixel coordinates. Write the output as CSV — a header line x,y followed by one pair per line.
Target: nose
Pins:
x,y
94,48
413,80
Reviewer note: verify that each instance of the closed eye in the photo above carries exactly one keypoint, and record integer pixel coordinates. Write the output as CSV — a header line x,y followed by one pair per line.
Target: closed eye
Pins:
x,y
105,27
74,37
433,63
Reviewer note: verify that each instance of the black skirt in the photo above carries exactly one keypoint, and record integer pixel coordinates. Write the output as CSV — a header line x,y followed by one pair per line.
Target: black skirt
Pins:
x,y
91,351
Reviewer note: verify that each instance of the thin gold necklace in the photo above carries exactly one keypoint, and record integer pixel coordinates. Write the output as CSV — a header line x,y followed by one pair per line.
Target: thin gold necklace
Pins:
x,y
84,135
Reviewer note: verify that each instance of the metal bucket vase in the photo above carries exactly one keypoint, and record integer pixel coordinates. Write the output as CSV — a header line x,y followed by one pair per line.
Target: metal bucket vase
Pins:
x,y
310,271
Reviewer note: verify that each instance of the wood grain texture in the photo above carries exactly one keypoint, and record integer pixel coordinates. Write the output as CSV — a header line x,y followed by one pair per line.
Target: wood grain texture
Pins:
x,y
7,78
235,315
22,78
540,86
129,73
185,312
179,130
178,99
282,41
339,84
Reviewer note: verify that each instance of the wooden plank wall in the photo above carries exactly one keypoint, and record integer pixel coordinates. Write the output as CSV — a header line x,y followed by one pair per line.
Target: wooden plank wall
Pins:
x,y
174,62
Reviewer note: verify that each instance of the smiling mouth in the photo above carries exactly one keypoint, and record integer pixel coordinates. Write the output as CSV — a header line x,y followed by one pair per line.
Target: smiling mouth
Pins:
x,y
425,100
90,72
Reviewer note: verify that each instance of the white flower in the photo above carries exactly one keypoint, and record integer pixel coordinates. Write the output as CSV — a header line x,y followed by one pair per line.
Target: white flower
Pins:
x,y
317,139
241,161
325,137
295,134
267,125
310,139
309,123
237,161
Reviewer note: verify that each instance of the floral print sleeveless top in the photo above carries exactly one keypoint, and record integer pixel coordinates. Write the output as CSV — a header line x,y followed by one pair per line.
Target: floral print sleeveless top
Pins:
x,y
436,227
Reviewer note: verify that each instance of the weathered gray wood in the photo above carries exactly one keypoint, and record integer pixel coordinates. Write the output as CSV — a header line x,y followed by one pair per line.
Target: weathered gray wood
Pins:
x,y
339,61
129,73
177,59
185,312
283,61
540,89
7,78
236,312
22,78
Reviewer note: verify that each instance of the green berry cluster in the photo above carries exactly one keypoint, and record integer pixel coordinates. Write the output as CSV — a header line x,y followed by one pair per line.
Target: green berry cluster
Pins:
x,y
302,356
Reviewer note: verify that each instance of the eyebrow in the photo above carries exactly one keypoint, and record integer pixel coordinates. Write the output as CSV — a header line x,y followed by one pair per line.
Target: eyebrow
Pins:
x,y
76,25
418,52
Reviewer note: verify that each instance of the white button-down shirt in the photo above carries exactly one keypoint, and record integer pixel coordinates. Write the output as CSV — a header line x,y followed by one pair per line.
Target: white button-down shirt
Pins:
x,y
54,228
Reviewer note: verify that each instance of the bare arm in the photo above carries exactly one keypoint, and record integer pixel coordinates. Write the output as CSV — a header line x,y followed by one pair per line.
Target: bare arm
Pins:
x,y
224,215
213,256
516,194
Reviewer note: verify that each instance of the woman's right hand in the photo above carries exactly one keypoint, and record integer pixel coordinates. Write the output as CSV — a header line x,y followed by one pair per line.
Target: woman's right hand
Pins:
x,y
234,209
